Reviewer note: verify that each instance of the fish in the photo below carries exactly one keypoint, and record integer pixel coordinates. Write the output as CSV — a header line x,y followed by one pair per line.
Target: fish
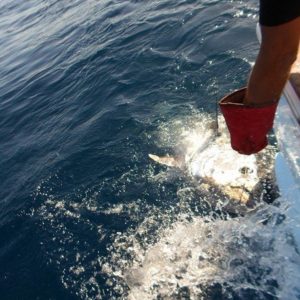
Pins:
x,y
207,156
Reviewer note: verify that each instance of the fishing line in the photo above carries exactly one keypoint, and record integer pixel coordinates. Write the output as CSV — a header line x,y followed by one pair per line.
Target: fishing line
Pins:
x,y
216,118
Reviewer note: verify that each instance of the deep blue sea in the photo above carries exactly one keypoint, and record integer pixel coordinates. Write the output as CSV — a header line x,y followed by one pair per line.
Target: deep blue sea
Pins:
x,y
87,89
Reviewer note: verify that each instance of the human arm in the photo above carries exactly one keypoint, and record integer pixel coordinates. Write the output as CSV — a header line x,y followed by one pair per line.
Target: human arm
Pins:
x,y
277,54
249,112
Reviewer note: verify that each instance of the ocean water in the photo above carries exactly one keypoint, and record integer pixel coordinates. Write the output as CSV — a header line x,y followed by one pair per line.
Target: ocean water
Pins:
x,y
87,90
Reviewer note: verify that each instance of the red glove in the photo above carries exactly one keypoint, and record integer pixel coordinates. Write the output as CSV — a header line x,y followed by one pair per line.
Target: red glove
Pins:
x,y
248,126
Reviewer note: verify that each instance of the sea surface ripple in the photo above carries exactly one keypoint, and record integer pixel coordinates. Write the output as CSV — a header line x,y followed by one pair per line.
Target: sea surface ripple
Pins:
x,y
87,89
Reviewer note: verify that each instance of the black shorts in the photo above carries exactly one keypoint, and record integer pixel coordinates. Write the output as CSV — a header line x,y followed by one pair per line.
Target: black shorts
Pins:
x,y
277,12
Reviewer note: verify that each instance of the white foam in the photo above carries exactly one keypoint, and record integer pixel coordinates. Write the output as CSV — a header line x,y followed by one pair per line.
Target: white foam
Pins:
x,y
239,253
166,249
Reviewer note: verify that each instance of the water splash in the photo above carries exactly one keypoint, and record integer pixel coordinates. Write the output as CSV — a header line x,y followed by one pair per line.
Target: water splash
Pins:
x,y
156,243
253,256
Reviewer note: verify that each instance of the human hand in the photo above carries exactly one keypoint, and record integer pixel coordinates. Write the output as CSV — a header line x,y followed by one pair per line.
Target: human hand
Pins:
x,y
248,126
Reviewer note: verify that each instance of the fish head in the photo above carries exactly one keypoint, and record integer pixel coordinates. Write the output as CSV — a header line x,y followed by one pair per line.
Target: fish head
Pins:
x,y
234,173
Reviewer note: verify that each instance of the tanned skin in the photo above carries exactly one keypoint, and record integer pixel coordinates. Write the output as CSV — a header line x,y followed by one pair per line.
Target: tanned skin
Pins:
x,y
278,52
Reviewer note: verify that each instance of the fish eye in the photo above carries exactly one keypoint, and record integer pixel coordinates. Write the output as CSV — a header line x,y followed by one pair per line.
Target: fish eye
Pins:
x,y
245,170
